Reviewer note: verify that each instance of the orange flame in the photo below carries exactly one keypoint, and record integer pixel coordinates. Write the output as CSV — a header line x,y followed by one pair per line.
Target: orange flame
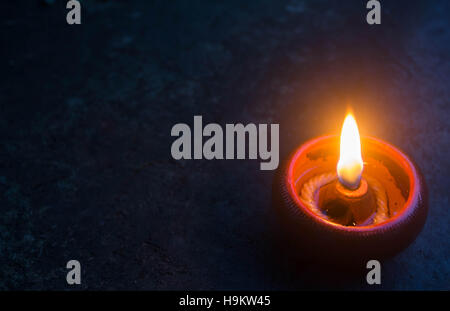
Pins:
x,y
350,164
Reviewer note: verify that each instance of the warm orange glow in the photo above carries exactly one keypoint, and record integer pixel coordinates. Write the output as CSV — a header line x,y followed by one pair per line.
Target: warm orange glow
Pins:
x,y
350,164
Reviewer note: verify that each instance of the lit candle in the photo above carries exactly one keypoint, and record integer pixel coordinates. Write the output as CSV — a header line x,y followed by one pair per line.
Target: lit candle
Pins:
x,y
329,201
350,164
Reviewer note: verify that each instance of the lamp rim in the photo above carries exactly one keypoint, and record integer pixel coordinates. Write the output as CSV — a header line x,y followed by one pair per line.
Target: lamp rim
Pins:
x,y
401,158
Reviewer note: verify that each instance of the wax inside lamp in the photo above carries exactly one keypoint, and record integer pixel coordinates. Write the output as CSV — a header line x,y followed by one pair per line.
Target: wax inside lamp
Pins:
x,y
350,164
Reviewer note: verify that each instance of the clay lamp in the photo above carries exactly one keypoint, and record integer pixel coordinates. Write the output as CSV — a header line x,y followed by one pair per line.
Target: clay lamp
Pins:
x,y
349,198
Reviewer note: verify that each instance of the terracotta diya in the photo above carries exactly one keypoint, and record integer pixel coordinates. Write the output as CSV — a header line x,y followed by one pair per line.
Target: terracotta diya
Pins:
x,y
349,198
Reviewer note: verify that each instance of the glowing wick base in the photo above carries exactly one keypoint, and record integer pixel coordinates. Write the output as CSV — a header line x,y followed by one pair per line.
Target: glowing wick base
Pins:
x,y
327,197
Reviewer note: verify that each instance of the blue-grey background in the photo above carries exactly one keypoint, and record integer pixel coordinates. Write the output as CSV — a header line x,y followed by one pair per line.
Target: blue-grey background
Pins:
x,y
86,113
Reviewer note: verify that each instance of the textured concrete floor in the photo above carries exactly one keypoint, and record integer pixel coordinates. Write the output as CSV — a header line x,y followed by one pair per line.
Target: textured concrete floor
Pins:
x,y
86,112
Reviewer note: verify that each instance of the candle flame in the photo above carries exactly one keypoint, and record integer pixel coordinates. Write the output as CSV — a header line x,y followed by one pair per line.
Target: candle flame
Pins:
x,y
350,164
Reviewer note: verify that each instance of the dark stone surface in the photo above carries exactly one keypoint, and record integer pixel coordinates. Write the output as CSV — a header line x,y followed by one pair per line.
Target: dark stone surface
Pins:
x,y
86,113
